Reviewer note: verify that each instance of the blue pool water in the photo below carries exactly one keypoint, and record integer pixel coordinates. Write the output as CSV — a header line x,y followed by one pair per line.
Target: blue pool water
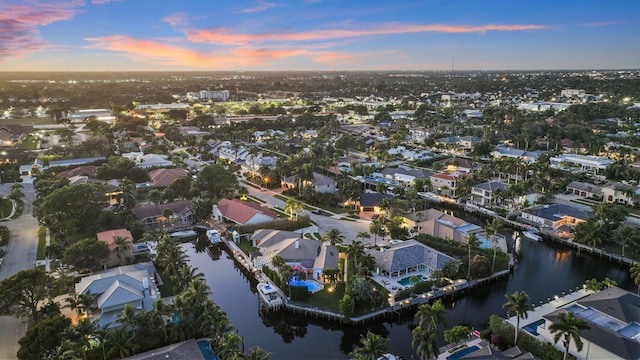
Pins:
x,y
484,243
205,348
462,353
407,281
531,328
311,286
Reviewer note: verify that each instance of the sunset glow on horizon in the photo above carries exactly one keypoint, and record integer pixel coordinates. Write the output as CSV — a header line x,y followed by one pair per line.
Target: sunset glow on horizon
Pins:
x,y
134,35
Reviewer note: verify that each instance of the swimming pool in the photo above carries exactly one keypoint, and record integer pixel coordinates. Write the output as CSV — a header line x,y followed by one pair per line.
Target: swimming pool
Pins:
x,y
533,327
485,243
407,281
462,353
311,285
205,348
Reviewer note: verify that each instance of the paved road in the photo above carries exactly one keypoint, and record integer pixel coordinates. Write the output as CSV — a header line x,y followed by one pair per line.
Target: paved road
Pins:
x,y
20,255
349,229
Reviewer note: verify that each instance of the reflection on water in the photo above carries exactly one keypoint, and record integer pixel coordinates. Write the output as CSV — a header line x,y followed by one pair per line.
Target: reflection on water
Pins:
x,y
543,270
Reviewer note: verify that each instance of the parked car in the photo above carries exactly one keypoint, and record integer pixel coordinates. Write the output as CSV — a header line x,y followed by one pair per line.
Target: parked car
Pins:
x,y
317,211
375,216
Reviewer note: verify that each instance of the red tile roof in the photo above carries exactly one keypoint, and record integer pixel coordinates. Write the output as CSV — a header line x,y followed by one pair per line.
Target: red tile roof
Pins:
x,y
240,211
109,237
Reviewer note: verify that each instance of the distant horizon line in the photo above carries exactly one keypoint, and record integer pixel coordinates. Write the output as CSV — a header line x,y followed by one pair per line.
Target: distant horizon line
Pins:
x,y
326,71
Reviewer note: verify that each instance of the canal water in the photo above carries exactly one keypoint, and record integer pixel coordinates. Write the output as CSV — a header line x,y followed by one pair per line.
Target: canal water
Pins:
x,y
543,270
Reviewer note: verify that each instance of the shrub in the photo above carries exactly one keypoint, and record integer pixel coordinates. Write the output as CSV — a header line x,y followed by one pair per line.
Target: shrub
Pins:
x,y
347,305
503,333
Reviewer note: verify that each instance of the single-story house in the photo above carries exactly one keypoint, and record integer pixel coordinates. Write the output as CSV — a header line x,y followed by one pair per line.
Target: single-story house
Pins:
x,y
309,255
321,183
165,177
436,223
408,256
242,212
109,237
371,201
555,215
115,288
154,218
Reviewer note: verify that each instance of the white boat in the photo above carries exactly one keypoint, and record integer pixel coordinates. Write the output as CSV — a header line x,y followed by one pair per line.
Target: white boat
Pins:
x,y
214,236
183,235
269,295
531,235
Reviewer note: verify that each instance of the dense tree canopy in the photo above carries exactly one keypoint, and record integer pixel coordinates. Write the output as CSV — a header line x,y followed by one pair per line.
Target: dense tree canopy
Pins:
x,y
21,293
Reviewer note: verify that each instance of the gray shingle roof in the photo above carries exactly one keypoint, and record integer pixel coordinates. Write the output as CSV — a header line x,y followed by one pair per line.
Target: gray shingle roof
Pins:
x,y
408,254
556,211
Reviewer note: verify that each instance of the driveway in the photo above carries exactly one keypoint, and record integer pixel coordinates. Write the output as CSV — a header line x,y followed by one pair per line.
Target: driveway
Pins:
x,y
20,255
348,228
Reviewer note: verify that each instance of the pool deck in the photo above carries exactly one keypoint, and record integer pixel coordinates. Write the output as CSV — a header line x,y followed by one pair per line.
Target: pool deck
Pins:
x,y
392,283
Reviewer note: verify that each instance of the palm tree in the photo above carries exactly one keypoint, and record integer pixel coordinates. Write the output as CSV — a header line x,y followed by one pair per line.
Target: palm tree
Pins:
x,y
518,304
609,282
355,250
258,353
635,275
472,242
122,245
592,285
424,343
293,207
371,347
434,315
278,262
197,292
333,236
492,229
128,189
375,228
457,334
363,235
332,274
568,327
184,275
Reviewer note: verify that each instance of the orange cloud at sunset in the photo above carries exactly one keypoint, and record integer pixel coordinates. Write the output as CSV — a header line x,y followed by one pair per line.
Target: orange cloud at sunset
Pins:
x,y
223,36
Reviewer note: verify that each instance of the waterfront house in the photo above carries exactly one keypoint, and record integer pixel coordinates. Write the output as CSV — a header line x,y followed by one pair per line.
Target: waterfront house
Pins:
x,y
115,288
445,182
241,212
487,193
109,237
524,155
613,317
409,256
170,216
555,215
188,349
308,255
436,223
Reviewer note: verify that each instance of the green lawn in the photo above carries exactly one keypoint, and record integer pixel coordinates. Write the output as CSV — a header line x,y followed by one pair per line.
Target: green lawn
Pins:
x,y
30,143
245,246
42,242
326,298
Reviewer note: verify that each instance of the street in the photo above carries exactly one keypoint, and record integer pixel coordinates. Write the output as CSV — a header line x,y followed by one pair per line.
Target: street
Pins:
x,y
348,228
20,255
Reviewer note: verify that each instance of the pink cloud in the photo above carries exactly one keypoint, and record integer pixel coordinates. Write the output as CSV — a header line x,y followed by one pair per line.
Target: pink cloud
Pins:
x,y
176,20
153,52
223,36
19,24
262,6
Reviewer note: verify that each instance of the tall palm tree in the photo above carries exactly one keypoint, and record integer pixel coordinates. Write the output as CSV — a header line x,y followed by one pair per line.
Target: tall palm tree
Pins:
x,y
492,229
457,334
371,347
424,343
129,194
568,327
375,228
333,236
197,292
635,275
472,243
355,250
184,275
122,245
293,207
518,304
433,315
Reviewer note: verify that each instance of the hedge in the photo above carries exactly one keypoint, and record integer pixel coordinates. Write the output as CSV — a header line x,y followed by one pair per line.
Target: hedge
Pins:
x,y
526,342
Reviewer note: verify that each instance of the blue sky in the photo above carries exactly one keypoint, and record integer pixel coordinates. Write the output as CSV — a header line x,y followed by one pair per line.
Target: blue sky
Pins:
x,y
212,35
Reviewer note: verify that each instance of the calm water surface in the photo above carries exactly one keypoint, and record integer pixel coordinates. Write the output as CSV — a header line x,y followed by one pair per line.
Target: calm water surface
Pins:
x,y
543,271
